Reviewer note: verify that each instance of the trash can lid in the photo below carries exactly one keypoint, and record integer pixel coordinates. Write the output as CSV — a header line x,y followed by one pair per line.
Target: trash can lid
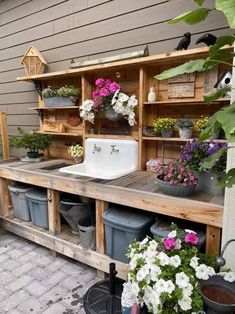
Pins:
x,y
126,218
37,194
20,187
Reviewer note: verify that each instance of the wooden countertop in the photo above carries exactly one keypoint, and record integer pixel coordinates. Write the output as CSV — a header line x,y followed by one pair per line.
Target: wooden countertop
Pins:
x,y
137,190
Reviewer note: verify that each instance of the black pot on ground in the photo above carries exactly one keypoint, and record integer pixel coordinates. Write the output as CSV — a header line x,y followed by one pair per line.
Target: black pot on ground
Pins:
x,y
33,154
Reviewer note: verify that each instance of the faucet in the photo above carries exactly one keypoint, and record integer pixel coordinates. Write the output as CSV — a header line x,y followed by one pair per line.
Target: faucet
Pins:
x,y
220,261
114,149
96,148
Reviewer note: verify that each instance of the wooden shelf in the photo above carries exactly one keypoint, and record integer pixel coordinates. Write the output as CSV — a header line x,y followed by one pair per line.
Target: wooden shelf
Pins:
x,y
184,101
54,108
61,134
176,139
110,136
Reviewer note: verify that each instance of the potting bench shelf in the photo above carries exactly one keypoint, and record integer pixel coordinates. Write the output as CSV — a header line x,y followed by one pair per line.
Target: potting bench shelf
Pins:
x,y
137,190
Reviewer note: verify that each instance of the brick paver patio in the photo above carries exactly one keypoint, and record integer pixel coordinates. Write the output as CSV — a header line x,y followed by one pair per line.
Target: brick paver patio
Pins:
x,y
33,281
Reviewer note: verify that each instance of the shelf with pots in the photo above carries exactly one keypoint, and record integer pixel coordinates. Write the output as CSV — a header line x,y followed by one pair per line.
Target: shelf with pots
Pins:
x,y
183,101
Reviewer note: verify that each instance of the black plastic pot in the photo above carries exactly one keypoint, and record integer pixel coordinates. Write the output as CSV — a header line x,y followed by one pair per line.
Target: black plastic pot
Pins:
x,y
33,154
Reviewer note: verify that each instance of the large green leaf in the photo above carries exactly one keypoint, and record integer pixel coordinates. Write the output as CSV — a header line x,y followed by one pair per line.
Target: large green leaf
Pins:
x,y
212,127
199,2
226,117
228,8
228,179
211,160
220,42
191,17
216,95
188,67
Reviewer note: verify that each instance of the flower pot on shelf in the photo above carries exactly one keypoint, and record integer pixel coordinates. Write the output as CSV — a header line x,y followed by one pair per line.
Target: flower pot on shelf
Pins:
x,y
33,154
111,115
207,182
60,101
185,132
175,189
167,132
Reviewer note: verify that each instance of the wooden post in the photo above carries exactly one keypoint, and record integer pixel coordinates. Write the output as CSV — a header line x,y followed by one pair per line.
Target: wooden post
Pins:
x,y
213,238
53,211
4,135
4,198
101,206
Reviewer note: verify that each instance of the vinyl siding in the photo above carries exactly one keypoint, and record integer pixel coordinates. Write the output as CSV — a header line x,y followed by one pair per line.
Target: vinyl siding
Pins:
x,y
83,30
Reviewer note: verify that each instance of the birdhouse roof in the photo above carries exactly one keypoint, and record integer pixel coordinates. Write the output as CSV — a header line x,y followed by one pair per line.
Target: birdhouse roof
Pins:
x,y
32,52
222,77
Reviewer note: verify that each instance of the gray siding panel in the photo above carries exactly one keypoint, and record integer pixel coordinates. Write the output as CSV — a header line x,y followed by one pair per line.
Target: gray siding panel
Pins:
x,y
83,29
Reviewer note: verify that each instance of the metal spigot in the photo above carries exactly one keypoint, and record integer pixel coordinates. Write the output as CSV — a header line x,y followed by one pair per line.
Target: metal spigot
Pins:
x,y
114,149
220,260
96,148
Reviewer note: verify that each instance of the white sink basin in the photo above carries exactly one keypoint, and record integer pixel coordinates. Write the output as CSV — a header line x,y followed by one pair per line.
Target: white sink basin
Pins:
x,y
106,159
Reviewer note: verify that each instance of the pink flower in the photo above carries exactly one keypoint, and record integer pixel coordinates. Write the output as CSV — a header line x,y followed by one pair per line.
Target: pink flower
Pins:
x,y
107,83
181,168
191,237
99,82
113,87
169,243
95,94
103,92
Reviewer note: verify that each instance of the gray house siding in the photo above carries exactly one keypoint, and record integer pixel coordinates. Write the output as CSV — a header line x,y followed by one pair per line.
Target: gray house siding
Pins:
x,y
83,29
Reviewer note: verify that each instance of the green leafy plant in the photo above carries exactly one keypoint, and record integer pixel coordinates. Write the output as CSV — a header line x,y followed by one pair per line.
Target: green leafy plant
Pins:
x,y
225,117
32,141
162,124
64,91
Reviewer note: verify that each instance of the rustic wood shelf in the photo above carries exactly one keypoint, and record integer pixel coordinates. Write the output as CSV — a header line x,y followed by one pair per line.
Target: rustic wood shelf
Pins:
x,y
183,101
111,136
61,134
53,108
176,139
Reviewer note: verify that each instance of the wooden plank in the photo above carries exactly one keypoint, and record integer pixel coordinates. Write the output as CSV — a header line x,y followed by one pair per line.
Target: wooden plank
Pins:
x,y
4,135
77,252
4,198
181,90
53,211
213,240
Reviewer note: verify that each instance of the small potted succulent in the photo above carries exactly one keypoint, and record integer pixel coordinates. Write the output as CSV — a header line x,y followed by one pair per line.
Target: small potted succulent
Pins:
x,y
33,142
64,96
76,151
164,126
185,128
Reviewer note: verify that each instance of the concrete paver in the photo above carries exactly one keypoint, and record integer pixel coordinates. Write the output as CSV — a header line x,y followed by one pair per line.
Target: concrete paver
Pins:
x,y
33,281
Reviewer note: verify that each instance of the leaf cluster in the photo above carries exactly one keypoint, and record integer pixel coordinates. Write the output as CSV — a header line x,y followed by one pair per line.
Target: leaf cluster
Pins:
x,y
64,91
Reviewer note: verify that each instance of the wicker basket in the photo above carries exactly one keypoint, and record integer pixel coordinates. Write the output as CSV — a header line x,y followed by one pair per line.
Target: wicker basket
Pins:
x,y
53,126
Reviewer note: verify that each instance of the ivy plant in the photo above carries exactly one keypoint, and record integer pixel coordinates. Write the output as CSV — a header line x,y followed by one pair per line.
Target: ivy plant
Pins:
x,y
225,117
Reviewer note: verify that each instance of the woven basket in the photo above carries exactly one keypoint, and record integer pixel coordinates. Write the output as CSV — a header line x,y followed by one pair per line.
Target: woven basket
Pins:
x,y
53,126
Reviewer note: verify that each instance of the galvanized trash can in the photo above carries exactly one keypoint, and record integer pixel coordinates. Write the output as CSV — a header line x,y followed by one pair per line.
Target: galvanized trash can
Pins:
x,y
87,233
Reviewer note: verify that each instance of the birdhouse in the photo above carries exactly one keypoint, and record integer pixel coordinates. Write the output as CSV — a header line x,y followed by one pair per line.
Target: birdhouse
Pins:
x,y
33,61
225,81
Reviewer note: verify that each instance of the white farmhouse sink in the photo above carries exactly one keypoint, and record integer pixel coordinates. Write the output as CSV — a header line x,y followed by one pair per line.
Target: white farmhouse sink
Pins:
x,y
106,159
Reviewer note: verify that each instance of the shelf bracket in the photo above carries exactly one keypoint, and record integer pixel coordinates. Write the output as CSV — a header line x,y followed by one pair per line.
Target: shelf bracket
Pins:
x,y
40,114
38,87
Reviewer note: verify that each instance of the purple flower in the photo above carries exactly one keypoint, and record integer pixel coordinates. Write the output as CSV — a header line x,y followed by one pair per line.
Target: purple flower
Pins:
x,y
169,243
99,82
113,87
191,238
103,92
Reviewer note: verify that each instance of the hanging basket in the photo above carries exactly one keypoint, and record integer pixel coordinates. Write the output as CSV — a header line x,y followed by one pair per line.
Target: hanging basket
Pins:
x,y
111,115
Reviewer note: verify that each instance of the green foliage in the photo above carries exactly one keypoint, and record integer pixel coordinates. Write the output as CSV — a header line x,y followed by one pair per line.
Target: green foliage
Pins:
x,y
199,2
211,160
228,179
191,17
216,95
33,141
228,8
64,91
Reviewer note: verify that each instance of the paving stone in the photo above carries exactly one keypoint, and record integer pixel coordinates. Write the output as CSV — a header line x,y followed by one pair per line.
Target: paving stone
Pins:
x,y
42,251
70,282
19,283
3,257
13,300
31,305
10,264
19,243
5,248
15,253
27,257
56,264
6,239
4,293
1,269
24,268
43,260
6,278
73,269
39,273
73,300
55,278
54,295
36,288
29,247
15,311
56,308
82,311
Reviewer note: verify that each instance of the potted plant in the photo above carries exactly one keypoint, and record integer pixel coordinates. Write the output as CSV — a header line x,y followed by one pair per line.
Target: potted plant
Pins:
x,y
64,96
164,273
108,98
194,153
201,124
175,178
33,142
76,151
164,126
185,128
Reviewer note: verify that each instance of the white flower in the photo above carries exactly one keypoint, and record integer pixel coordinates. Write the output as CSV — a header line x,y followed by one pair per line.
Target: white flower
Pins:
x,y
230,276
129,298
143,242
185,303
178,244
182,280
115,96
152,299
170,287
142,273
123,97
132,102
172,234
133,261
160,286
194,262
175,261
135,288
204,272
131,122
190,231
187,291
153,245
155,271
163,259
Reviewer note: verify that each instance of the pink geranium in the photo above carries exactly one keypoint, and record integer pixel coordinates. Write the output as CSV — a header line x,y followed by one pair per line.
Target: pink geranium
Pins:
x,y
191,238
103,92
113,87
95,94
99,82
169,243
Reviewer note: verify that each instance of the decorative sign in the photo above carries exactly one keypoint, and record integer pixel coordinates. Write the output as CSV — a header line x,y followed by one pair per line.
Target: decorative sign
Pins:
x,y
181,90
210,79
182,78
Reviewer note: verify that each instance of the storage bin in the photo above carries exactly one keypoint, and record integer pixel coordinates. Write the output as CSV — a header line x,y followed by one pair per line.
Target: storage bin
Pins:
x,y
38,206
87,233
72,209
19,201
161,228
122,226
